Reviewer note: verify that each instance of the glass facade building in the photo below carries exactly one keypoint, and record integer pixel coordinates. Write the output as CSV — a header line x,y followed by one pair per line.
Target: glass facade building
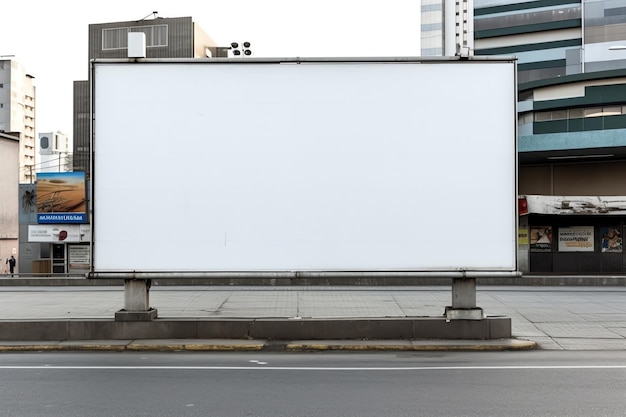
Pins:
x,y
571,124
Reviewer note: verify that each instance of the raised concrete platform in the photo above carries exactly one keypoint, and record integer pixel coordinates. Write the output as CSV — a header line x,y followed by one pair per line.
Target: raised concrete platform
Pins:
x,y
408,328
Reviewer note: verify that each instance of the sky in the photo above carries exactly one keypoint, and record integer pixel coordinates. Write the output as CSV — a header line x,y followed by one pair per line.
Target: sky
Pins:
x,y
49,37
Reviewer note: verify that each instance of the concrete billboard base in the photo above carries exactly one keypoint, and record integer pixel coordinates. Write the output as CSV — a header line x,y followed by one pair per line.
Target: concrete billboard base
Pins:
x,y
136,315
464,313
278,329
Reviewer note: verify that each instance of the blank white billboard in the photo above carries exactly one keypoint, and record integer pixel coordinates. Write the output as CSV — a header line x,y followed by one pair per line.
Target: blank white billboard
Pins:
x,y
264,165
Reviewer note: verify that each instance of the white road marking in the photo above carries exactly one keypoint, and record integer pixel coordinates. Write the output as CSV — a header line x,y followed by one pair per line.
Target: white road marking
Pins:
x,y
311,368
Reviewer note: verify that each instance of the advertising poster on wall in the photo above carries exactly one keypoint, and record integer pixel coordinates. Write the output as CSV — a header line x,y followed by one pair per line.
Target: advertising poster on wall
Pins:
x,y
611,239
541,239
79,257
522,236
61,197
576,239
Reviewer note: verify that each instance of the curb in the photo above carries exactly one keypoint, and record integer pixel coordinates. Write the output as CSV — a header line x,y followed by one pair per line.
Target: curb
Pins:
x,y
415,345
273,345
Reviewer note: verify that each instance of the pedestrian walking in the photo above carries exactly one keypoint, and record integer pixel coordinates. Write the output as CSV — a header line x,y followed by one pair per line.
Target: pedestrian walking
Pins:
x,y
11,262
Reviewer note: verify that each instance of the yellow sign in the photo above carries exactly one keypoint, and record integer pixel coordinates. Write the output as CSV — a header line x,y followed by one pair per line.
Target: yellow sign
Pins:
x,y
522,236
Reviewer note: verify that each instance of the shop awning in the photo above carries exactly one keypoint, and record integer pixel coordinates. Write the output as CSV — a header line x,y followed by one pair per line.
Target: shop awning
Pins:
x,y
550,204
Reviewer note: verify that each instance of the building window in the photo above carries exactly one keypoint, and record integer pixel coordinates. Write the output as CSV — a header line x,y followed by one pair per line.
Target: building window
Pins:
x,y
543,116
155,35
593,112
117,38
612,111
576,113
525,118
114,38
579,113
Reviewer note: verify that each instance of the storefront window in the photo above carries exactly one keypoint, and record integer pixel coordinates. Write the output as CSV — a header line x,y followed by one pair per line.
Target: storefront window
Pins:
x,y
541,239
576,239
611,239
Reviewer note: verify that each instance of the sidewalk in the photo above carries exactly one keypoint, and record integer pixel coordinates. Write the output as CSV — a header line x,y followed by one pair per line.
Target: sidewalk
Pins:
x,y
559,318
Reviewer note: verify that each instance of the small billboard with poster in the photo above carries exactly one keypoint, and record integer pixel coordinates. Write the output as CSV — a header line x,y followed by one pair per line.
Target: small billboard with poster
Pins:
x,y
61,197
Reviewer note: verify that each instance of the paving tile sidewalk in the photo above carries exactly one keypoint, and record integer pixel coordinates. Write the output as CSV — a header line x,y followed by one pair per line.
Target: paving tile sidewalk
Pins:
x,y
563,318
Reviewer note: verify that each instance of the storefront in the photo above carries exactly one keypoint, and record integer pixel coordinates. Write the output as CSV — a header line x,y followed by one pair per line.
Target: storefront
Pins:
x,y
55,224
68,246
575,235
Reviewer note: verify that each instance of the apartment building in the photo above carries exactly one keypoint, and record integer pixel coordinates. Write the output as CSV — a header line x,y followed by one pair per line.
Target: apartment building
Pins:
x,y
17,113
447,27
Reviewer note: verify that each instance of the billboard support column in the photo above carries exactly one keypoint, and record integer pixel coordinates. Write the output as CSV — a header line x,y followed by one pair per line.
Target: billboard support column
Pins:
x,y
136,301
464,300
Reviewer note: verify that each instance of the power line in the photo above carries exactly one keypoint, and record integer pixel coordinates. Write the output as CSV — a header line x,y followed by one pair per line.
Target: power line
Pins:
x,y
62,161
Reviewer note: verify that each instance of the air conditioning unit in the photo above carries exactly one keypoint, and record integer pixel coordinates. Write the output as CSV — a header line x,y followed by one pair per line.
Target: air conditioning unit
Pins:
x,y
51,143
46,143
60,144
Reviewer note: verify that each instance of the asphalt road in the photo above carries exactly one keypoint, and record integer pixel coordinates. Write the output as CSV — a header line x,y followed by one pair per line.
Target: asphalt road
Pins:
x,y
512,384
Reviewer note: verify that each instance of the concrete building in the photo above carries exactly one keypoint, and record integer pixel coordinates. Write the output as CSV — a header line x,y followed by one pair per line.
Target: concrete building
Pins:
x,y
178,37
17,113
9,161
